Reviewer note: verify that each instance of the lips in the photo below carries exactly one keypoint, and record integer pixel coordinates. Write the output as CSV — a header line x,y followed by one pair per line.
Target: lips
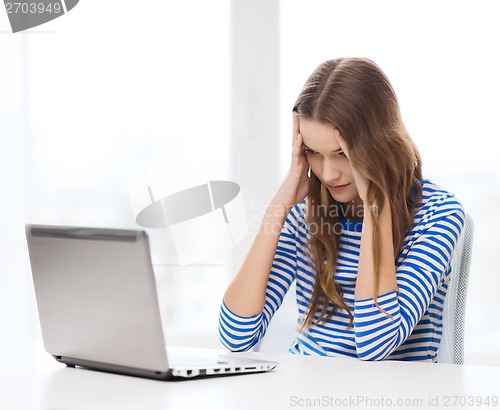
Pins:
x,y
338,187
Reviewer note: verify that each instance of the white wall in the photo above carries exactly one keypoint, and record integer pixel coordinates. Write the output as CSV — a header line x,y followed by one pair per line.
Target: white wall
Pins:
x,y
15,298
93,94
90,94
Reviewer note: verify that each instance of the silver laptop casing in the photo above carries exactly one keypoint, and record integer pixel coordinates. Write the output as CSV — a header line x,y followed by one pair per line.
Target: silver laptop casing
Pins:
x,y
98,305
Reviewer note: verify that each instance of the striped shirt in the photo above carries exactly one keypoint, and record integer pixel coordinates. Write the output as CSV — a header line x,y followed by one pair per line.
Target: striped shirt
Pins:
x,y
422,271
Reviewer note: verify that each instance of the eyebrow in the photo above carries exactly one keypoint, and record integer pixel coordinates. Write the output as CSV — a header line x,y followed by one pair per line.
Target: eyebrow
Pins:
x,y
335,151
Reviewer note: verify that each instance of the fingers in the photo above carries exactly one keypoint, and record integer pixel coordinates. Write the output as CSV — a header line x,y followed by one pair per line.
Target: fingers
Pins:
x,y
295,128
341,141
339,136
297,146
298,155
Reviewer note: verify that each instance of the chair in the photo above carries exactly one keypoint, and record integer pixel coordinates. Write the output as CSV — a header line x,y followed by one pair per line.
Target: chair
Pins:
x,y
451,349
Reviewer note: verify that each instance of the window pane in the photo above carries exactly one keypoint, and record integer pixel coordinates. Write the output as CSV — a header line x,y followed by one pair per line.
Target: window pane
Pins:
x,y
113,86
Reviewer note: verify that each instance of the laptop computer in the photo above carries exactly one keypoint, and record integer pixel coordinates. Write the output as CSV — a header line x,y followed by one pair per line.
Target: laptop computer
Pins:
x,y
98,305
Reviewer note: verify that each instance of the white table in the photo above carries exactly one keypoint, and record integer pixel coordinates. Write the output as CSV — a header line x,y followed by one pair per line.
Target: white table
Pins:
x,y
32,379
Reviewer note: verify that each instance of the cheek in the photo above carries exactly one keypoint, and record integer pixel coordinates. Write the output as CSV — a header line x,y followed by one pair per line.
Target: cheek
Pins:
x,y
345,168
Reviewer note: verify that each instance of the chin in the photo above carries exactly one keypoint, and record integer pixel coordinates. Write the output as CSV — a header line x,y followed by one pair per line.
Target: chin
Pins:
x,y
343,197
343,200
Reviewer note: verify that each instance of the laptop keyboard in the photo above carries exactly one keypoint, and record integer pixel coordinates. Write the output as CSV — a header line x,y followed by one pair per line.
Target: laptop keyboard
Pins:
x,y
178,360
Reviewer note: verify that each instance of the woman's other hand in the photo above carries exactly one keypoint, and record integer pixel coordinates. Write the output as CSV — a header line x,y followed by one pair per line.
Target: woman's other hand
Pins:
x,y
296,185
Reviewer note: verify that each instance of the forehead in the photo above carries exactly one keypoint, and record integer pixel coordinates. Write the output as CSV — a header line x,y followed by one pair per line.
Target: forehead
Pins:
x,y
318,135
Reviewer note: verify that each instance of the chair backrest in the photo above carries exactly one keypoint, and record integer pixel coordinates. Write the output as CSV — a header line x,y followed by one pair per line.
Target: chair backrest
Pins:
x,y
451,348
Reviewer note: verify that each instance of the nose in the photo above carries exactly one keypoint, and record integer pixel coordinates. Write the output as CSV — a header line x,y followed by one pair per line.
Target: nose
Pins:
x,y
331,172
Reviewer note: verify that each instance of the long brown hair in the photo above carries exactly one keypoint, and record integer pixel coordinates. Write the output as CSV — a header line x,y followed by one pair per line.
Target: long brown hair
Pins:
x,y
356,97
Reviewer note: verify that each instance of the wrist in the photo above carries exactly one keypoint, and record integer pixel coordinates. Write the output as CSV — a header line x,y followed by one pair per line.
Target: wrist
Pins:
x,y
278,209
273,220
280,202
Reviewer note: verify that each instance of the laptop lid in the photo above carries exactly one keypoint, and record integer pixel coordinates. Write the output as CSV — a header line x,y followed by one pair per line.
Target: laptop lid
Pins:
x,y
98,305
97,299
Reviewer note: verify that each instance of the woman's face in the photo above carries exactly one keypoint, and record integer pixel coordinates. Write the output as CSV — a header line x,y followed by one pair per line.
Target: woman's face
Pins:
x,y
327,160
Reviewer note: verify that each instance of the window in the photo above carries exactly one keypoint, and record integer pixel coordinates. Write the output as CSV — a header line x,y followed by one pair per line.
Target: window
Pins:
x,y
107,87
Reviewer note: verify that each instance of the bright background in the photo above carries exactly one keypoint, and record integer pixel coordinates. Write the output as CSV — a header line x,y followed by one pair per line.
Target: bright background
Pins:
x,y
95,93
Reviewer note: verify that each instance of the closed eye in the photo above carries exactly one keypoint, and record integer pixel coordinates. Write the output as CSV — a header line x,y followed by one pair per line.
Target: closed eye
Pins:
x,y
310,151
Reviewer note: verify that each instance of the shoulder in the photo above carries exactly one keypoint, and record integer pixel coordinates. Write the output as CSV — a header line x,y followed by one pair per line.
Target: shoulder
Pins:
x,y
438,204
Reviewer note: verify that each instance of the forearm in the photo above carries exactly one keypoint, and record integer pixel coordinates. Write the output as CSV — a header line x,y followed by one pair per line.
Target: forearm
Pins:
x,y
365,282
246,295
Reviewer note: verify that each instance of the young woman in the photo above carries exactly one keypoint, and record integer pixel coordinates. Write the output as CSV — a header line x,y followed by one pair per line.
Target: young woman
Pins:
x,y
366,238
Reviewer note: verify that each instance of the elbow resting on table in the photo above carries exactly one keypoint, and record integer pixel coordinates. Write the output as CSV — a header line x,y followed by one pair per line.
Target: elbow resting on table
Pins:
x,y
242,345
238,333
378,352
378,345
370,358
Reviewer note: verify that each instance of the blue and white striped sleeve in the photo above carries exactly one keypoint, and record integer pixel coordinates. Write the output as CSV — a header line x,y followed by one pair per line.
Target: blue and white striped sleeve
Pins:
x,y
418,276
239,333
